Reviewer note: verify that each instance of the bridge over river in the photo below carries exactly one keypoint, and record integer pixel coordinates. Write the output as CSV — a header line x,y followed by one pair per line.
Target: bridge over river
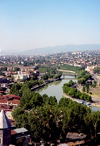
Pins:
x,y
66,73
71,76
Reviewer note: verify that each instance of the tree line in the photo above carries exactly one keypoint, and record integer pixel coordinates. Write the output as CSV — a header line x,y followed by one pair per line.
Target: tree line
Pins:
x,y
83,77
74,93
70,67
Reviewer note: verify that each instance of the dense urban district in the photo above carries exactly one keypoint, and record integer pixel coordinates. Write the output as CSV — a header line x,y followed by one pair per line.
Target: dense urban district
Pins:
x,y
28,118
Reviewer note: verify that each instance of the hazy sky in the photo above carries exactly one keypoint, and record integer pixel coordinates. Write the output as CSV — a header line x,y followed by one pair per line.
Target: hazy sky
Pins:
x,y
29,24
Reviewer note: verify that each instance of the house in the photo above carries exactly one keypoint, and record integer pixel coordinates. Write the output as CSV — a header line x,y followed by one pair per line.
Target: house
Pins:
x,y
9,102
20,133
21,76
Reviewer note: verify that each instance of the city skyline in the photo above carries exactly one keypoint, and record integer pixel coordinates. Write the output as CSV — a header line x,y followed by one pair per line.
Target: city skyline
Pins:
x,y
26,25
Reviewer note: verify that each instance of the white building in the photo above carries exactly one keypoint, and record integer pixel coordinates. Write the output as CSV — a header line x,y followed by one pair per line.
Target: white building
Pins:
x,y
89,68
21,76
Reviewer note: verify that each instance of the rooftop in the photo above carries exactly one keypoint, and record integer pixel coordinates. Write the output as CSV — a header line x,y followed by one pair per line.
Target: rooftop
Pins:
x,y
20,130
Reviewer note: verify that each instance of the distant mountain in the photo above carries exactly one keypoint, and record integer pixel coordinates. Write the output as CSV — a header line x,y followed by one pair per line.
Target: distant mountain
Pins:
x,y
55,49
63,48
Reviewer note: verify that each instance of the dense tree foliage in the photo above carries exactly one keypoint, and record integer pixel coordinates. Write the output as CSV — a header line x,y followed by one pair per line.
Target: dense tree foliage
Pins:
x,y
92,123
75,93
69,84
57,76
47,69
83,77
45,77
15,89
70,67
49,120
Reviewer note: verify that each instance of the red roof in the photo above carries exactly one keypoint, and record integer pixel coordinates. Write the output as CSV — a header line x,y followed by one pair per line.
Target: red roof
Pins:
x,y
12,95
5,107
10,99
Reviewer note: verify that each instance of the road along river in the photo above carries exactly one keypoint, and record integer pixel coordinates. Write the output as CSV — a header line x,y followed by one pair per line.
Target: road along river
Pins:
x,y
55,89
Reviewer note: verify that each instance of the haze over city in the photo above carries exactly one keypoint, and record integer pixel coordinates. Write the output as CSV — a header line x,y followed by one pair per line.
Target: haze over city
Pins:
x,y
26,25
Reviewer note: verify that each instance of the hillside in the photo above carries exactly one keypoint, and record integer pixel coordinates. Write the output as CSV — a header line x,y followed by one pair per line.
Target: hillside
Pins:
x,y
57,49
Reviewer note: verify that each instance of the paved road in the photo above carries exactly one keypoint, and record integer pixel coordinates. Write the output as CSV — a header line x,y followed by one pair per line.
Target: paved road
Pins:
x,y
96,99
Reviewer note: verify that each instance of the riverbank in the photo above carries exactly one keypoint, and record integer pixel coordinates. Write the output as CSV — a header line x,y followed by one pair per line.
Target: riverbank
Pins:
x,y
95,102
44,84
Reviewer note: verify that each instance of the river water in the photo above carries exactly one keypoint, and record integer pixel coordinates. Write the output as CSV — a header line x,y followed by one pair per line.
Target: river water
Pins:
x,y
55,89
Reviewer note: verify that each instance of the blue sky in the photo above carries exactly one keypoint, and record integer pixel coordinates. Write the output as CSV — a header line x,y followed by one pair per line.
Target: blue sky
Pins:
x,y
29,24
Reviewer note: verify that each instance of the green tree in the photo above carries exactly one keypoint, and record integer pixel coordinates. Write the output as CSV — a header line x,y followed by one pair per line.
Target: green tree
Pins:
x,y
45,77
34,76
92,123
45,98
81,81
15,89
72,92
36,100
64,102
21,117
26,97
52,100
87,89
43,124
83,88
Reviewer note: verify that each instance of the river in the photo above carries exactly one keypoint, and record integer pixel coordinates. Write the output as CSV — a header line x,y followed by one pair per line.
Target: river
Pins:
x,y
55,89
